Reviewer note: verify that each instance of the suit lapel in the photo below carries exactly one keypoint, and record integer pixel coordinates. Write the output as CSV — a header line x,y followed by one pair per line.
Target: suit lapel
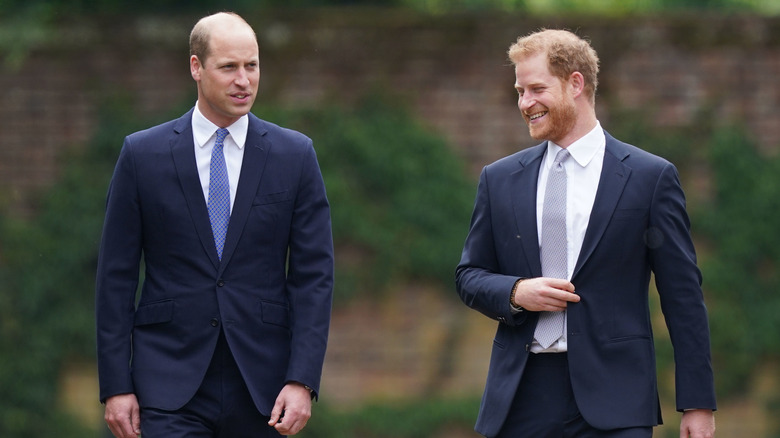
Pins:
x,y
252,166
523,188
183,152
614,175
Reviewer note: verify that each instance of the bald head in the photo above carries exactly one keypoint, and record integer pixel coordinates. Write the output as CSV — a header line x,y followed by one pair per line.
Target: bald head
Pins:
x,y
225,63
200,36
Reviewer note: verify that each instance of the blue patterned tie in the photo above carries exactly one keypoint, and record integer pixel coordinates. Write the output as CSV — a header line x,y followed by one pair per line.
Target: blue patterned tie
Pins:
x,y
219,192
554,246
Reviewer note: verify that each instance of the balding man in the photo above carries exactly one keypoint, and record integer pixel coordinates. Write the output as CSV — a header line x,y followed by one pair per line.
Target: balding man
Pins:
x,y
230,217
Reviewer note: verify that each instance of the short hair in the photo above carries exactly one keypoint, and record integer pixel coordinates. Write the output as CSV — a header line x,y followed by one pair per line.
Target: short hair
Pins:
x,y
566,53
201,33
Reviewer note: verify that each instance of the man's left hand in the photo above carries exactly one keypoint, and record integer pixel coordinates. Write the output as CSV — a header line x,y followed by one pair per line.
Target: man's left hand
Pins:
x,y
697,423
292,409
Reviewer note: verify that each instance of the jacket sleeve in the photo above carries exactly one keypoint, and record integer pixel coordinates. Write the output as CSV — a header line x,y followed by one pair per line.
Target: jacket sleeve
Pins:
x,y
478,279
117,278
678,280
310,275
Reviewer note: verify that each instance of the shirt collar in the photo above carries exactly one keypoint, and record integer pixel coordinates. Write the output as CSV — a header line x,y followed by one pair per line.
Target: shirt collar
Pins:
x,y
583,150
203,129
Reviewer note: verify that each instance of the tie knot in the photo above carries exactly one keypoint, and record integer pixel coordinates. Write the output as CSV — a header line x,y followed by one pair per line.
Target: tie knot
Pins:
x,y
563,154
221,134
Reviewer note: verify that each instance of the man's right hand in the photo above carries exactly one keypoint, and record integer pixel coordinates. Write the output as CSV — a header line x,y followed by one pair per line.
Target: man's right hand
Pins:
x,y
545,294
123,416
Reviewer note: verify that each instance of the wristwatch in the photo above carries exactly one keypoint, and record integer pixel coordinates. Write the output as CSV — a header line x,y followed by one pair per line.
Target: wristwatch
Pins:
x,y
515,307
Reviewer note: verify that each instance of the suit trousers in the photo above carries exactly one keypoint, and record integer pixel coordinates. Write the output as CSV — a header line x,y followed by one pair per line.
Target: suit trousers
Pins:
x,y
544,405
221,408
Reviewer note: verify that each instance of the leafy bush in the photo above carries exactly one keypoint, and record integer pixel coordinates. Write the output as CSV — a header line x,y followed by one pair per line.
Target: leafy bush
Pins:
x,y
399,197
47,266
410,419
738,225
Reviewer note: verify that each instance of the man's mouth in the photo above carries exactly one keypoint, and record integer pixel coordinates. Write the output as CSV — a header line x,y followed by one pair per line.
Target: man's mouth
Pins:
x,y
535,116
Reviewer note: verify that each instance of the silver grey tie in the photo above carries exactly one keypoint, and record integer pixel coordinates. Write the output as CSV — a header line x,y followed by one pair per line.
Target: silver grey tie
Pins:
x,y
554,246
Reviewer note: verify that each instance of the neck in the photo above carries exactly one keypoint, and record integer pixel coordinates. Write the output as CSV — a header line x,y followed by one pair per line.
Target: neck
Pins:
x,y
585,123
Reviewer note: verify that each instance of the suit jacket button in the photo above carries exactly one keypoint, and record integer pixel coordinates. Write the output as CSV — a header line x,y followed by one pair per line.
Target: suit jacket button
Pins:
x,y
214,322
221,283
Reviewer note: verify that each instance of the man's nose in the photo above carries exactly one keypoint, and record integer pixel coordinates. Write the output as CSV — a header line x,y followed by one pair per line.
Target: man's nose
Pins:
x,y
242,78
525,102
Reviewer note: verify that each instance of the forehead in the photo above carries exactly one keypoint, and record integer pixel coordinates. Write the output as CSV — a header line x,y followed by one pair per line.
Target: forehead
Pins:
x,y
532,69
234,43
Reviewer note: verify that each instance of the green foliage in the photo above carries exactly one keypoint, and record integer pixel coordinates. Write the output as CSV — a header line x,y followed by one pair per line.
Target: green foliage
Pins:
x,y
410,419
47,267
75,8
399,198
675,144
26,25
735,228
739,226
69,9
622,7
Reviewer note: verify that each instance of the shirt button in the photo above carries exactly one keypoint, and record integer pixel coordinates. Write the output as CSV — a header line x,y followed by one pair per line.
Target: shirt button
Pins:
x,y
214,322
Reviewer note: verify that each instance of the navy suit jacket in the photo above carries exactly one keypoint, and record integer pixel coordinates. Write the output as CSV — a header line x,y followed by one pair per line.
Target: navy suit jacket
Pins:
x,y
271,293
638,225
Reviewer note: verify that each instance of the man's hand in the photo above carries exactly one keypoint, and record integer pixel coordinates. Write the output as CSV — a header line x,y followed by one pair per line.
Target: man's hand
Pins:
x,y
292,409
545,294
123,416
697,423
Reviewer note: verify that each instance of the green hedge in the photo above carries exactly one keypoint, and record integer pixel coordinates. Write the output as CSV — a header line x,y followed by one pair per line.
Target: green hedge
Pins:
x,y
733,191
740,235
47,268
430,418
400,199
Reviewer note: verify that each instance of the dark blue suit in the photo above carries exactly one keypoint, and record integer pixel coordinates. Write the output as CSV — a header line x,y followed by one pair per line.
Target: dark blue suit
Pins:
x,y
638,225
270,295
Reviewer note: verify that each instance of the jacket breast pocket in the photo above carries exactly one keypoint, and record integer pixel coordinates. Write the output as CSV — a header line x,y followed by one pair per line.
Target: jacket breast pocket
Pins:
x,y
271,198
157,312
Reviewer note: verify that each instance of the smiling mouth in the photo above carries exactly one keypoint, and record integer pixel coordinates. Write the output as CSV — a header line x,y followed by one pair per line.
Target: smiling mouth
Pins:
x,y
533,117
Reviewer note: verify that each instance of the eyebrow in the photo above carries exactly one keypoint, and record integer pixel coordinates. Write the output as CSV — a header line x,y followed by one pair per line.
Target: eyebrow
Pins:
x,y
532,85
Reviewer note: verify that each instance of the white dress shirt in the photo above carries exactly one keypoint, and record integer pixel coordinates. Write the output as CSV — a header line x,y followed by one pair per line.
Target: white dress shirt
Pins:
x,y
203,133
583,172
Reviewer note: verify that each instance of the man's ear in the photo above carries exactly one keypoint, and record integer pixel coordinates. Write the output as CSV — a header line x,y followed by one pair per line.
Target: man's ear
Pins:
x,y
195,67
576,84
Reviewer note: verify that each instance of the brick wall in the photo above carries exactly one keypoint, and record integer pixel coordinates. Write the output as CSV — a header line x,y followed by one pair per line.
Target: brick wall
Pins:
x,y
452,70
